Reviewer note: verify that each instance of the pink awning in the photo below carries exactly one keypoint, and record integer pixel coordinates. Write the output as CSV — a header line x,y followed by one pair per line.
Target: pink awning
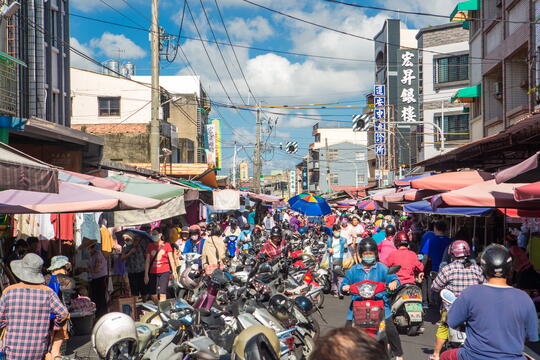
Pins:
x,y
486,194
420,194
398,196
96,181
524,172
126,201
451,180
379,195
527,192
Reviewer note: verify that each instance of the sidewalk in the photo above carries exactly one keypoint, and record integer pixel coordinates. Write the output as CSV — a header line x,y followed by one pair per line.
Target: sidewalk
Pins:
x,y
81,346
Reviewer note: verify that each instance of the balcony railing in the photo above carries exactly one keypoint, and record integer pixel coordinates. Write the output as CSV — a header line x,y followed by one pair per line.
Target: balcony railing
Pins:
x,y
8,87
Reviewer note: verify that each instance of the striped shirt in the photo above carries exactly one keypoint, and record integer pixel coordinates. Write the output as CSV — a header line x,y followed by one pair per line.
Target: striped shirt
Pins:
x,y
25,313
456,278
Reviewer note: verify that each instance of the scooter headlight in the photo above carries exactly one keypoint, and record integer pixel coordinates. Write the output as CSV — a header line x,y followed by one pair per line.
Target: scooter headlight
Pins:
x,y
366,290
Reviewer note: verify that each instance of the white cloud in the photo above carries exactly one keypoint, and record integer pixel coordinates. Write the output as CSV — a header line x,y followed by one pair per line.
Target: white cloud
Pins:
x,y
117,46
439,7
257,29
77,60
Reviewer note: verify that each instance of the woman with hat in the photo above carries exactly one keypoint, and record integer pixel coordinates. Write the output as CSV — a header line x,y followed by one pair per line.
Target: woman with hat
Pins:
x,y
98,272
25,310
63,285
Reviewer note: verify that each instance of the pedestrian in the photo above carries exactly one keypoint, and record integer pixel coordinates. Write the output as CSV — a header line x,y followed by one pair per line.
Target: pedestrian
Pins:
x,y
195,243
245,239
371,269
386,247
214,250
98,272
133,254
159,265
354,231
348,343
33,245
20,248
456,277
25,312
64,286
268,222
523,272
336,246
499,318
411,266
184,237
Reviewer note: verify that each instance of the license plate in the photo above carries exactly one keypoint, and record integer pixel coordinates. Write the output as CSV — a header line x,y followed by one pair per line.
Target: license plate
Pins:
x,y
414,307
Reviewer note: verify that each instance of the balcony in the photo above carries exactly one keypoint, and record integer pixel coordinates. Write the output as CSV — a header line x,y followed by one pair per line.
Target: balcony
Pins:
x,y
8,86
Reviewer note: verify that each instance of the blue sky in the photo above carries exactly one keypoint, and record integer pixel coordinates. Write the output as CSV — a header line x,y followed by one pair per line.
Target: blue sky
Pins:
x,y
274,78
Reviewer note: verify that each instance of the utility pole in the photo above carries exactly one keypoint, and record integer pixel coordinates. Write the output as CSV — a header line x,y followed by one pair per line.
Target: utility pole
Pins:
x,y
257,157
154,123
234,167
328,180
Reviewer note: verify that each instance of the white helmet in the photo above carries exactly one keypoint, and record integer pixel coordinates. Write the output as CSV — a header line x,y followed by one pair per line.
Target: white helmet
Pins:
x,y
114,335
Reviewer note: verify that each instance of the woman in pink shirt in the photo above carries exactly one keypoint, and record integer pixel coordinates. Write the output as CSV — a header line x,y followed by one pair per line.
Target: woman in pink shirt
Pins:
x,y
386,247
407,259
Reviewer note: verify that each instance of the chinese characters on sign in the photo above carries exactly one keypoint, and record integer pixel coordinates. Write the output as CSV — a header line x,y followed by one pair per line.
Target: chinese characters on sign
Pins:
x,y
379,103
408,86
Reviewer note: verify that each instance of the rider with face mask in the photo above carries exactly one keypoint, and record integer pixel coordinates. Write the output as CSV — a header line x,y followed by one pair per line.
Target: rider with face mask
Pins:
x,y
371,269
336,246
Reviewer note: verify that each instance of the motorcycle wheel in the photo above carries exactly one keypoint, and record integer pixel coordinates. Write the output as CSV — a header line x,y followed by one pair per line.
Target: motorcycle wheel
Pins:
x,y
307,348
316,329
413,330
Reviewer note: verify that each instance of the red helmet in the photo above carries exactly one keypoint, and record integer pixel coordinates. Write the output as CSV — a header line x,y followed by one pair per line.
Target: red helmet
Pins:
x,y
401,238
460,248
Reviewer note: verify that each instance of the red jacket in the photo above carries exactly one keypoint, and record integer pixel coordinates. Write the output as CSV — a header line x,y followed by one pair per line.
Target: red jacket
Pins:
x,y
410,265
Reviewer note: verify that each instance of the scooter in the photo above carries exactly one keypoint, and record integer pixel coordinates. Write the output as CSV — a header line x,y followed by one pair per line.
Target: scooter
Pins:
x,y
407,311
456,337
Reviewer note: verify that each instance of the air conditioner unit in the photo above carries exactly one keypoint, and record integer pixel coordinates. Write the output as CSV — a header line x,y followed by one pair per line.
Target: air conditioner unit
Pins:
x,y
498,88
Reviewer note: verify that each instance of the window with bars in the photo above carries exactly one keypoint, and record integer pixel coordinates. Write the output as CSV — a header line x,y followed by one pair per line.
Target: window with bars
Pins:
x,y
333,154
360,179
109,106
453,68
455,127
360,156
334,179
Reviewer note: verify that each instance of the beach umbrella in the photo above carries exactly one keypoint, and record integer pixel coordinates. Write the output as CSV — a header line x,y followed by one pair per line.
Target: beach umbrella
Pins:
x,y
368,205
309,204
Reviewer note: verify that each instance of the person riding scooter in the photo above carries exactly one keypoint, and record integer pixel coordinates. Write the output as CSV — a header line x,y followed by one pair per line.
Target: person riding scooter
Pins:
x,y
407,259
371,269
275,246
386,247
456,277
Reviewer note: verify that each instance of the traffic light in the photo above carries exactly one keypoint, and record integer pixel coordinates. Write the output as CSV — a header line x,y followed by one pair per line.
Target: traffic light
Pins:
x,y
291,147
360,122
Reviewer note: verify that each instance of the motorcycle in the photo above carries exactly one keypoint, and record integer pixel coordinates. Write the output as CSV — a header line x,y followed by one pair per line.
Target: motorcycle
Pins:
x,y
456,337
407,311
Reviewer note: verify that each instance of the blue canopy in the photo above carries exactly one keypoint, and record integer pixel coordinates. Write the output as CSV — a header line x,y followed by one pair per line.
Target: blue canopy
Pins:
x,y
426,208
407,180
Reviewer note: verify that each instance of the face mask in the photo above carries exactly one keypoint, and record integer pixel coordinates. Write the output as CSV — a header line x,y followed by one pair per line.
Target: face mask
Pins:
x,y
337,234
156,238
369,259
194,237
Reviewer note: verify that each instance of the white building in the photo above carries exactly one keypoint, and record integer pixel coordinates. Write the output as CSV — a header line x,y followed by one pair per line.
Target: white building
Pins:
x,y
445,69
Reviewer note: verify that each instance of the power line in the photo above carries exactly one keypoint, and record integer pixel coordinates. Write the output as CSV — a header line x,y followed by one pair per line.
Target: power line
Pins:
x,y
350,34
137,11
119,12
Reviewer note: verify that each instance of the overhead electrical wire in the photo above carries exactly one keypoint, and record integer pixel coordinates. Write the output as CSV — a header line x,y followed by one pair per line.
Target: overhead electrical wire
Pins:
x,y
119,12
137,10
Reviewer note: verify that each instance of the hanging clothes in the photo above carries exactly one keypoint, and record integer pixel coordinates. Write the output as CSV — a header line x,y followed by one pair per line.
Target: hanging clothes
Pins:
x,y
63,226
46,228
77,229
26,225
90,228
106,240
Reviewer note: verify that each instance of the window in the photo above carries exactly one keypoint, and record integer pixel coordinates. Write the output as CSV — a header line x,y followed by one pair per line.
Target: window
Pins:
x,y
334,179
54,28
317,137
360,156
456,127
333,155
360,179
453,68
109,106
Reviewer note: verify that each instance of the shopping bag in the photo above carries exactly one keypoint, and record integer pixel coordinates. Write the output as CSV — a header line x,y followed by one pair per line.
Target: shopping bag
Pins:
x,y
348,260
325,261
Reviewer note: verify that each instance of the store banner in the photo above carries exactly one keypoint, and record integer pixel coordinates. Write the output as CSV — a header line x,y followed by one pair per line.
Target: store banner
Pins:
x,y
171,208
211,136
226,200
217,126
408,75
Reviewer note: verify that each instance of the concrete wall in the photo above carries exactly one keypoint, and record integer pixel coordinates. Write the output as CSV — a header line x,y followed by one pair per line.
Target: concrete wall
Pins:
x,y
87,86
336,136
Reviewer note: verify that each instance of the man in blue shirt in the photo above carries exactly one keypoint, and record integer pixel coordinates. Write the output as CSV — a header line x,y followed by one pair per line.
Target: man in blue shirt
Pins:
x,y
499,318
371,269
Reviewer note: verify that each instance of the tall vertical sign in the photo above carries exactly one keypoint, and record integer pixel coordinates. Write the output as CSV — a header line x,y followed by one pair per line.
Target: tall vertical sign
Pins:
x,y
408,86
211,137
379,114
292,183
217,127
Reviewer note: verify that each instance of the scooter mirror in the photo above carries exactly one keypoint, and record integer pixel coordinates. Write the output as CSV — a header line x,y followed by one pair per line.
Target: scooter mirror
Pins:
x,y
394,269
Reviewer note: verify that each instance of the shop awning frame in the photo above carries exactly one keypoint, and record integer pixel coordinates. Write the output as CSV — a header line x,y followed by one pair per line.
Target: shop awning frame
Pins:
x,y
458,14
467,95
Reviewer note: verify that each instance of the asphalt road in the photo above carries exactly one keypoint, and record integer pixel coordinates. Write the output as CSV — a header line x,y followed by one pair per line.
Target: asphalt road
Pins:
x,y
414,347
334,311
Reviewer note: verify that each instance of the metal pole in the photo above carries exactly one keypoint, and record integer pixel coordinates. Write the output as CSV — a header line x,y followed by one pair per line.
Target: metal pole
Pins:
x,y
442,125
257,157
154,123
234,166
307,169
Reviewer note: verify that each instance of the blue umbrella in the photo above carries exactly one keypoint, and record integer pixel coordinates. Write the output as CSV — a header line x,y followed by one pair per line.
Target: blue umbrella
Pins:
x,y
310,205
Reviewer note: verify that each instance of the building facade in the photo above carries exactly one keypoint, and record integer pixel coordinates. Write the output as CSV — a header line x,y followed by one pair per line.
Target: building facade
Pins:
x,y
445,70
333,155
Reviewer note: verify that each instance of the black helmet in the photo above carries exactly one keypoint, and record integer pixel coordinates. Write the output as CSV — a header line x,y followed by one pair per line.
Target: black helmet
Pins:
x,y
233,222
496,261
305,305
390,230
279,306
265,268
367,244
276,231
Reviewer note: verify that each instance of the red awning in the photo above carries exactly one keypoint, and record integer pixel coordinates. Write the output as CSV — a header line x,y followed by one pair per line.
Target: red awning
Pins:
x,y
524,172
527,192
451,180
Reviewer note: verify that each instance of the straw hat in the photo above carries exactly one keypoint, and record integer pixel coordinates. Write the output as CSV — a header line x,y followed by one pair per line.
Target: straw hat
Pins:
x,y
28,269
86,243
58,262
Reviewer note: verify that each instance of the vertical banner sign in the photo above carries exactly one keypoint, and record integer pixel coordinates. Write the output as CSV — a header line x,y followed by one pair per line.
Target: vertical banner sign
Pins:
x,y
211,135
217,126
379,113
292,183
408,86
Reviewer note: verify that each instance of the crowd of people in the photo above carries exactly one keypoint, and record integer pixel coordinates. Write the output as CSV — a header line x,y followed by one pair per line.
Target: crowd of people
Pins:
x,y
359,246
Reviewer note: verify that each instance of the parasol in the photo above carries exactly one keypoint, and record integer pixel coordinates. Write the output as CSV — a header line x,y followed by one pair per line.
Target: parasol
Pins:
x,y
309,204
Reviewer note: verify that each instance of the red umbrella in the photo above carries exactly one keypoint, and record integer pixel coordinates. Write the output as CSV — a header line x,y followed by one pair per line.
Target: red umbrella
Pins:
x,y
451,180
524,172
527,192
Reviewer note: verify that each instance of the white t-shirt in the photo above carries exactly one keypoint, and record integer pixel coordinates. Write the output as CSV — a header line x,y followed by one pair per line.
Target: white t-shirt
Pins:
x,y
352,232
